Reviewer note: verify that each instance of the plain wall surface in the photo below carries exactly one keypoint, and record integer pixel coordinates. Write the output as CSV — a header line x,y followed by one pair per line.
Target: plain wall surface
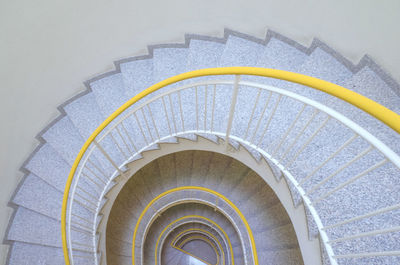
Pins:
x,y
49,47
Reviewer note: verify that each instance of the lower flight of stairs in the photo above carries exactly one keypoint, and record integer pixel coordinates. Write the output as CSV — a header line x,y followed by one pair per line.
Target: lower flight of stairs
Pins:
x,y
274,233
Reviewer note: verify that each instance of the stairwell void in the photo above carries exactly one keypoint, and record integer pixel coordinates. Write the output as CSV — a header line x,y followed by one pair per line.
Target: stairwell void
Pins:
x,y
263,166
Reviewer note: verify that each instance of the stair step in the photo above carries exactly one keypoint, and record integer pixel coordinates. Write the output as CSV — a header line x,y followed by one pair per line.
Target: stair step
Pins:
x,y
65,139
87,116
240,52
168,62
24,253
47,164
137,76
284,257
36,195
283,237
280,55
109,93
31,227
204,54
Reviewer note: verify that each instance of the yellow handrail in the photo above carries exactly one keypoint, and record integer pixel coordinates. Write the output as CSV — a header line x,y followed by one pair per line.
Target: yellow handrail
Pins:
x,y
380,112
188,217
203,231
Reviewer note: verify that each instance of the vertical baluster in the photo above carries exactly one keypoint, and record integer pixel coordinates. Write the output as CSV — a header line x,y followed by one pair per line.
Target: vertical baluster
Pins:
x,y
118,146
129,137
252,113
166,115
81,230
352,161
94,174
172,111
76,225
93,181
377,165
107,156
197,110
308,141
86,200
89,161
270,119
147,124
81,218
180,109
363,216
123,139
205,107
152,119
261,116
232,109
328,159
213,108
288,130
300,134
90,209
87,193
141,128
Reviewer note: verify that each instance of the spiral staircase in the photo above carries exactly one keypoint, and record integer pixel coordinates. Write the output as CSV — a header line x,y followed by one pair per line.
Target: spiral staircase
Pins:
x,y
231,164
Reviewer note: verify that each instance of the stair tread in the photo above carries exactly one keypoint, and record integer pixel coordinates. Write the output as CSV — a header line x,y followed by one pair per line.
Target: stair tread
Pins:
x,y
65,139
47,164
36,195
137,76
86,115
204,54
109,93
31,227
168,62
240,52
24,253
280,55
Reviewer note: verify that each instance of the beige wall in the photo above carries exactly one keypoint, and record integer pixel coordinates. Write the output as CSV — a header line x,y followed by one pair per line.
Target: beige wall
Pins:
x,y
48,47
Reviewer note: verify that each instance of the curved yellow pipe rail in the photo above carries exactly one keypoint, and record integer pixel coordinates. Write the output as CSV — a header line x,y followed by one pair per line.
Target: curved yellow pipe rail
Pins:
x,y
234,207
380,112
187,217
203,238
204,231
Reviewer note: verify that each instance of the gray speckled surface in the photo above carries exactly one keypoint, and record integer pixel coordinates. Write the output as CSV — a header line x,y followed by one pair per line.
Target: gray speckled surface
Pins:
x,y
49,166
204,54
109,93
168,62
24,254
64,137
23,229
30,195
137,76
240,52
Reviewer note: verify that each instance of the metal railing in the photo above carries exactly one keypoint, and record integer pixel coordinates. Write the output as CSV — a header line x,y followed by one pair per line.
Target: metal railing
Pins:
x,y
132,129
